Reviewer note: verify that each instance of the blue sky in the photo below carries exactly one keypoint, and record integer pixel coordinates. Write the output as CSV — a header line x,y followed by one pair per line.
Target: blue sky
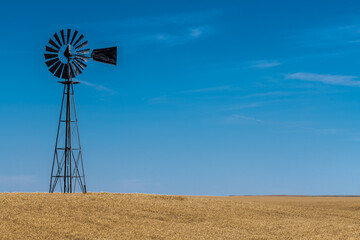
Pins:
x,y
208,98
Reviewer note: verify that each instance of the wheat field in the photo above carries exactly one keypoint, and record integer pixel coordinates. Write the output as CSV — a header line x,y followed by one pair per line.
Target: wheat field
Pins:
x,y
145,216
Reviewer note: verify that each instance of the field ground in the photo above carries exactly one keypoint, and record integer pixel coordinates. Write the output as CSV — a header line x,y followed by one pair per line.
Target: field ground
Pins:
x,y
144,216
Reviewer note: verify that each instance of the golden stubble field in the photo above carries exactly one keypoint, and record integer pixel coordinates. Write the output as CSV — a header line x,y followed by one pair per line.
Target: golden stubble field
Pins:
x,y
144,216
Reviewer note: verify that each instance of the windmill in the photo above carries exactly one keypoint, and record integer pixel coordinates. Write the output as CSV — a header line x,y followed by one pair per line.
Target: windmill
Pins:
x,y
66,57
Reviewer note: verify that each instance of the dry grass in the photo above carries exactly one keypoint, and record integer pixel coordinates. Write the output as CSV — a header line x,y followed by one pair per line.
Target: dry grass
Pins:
x,y
141,216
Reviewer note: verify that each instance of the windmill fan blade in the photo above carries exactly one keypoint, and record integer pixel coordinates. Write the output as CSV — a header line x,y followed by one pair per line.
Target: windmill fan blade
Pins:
x,y
54,44
49,49
69,71
68,36
105,55
53,68
75,33
80,63
85,51
62,36
82,57
59,70
76,68
82,45
79,39
72,73
57,39
48,56
51,62
66,72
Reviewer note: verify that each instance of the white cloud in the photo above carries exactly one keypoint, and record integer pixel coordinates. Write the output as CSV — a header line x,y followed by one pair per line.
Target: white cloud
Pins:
x,y
327,131
235,118
214,89
178,97
170,29
200,31
269,94
195,32
98,87
325,78
180,38
165,99
265,64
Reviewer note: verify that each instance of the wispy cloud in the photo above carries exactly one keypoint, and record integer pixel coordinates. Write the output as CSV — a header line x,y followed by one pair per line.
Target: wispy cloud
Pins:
x,y
200,31
196,32
164,99
325,131
177,38
169,29
177,97
269,94
265,64
98,87
247,105
214,89
236,118
308,128
325,78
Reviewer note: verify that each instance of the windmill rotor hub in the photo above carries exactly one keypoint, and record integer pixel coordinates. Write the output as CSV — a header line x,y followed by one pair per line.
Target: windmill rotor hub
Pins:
x,y
67,52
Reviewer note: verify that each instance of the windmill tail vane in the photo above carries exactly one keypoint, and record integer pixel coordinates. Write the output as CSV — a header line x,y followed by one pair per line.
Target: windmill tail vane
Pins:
x,y
66,57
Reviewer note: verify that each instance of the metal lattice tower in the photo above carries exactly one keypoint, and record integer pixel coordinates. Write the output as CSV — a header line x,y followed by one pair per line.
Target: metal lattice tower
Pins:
x,y
67,58
68,168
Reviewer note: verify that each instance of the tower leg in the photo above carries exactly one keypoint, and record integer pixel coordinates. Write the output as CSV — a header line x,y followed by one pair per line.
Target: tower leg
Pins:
x,y
67,167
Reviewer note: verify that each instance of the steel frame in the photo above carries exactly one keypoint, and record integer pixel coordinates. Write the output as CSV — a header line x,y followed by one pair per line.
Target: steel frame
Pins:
x,y
67,167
